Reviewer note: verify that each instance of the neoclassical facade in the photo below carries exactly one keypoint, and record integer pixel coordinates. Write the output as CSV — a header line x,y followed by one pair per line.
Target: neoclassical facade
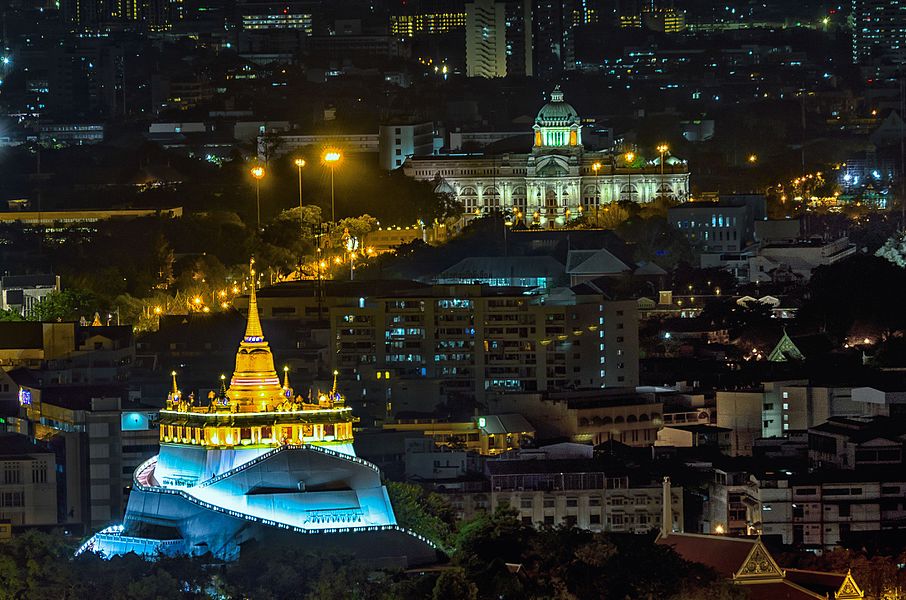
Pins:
x,y
558,179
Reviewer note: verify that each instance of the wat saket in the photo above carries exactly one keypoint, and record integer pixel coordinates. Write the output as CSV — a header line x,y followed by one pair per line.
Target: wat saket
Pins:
x,y
257,461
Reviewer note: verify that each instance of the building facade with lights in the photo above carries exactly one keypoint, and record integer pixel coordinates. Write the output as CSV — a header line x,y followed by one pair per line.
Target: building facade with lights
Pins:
x,y
256,462
558,179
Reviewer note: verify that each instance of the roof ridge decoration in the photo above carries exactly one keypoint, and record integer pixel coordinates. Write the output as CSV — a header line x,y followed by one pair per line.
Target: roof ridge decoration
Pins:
x,y
759,564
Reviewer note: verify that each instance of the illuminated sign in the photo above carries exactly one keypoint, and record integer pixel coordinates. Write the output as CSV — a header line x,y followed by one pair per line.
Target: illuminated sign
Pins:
x,y
24,397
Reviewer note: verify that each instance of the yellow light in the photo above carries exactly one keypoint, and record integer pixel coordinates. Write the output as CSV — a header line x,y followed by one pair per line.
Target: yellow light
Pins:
x,y
224,305
630,156
663,148
323,264
285,368
221,293
257,172
235,289
596,166
299,162
753,158
338,260
158,310
206,309
332,156
197,299
719,530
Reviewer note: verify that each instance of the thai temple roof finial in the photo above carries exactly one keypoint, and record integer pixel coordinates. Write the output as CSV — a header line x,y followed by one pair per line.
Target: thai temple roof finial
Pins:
x,y
253,332
223,388
333,390
285,377
175,390
97,320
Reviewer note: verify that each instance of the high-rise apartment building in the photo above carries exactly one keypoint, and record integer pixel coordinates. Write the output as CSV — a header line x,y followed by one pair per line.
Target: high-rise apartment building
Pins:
x,y
878,29
486,39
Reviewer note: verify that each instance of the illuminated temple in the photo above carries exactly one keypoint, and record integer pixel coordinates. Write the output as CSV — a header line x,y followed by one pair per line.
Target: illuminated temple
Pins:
x,y
256,462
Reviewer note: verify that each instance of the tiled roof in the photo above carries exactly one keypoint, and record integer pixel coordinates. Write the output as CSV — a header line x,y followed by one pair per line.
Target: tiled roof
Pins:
x,y
725,555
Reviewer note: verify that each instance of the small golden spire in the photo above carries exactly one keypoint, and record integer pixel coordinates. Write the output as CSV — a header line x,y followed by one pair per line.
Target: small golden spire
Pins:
x,y
285,377
97,320
334,390
175,387
222,385
253,332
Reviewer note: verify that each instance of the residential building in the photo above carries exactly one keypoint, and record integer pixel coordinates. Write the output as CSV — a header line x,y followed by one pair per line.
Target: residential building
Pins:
x,y
580,493
486,48
488,435
695,436
28,483
844,443
477,341
589,416
398,141
878,30
775,408
99,437
822,510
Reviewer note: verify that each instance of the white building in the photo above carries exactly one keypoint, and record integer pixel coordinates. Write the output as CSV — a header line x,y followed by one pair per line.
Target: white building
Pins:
x,y
557,180
485,39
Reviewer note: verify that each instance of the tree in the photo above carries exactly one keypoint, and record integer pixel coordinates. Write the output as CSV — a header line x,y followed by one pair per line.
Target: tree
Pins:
x,y
67,305
427,514
453,585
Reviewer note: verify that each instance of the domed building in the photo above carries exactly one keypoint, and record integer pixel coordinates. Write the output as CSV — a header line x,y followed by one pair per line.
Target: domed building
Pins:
x,y
557,180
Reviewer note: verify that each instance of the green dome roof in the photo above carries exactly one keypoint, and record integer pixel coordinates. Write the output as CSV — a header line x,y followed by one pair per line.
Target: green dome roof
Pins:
x,y
557,112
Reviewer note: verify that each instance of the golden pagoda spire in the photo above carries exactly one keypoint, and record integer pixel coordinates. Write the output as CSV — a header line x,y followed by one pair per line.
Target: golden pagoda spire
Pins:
x,y
253,332
285,377
175,387
334,390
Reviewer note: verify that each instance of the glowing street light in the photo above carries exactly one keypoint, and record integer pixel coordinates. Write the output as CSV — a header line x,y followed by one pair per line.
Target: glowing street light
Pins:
x,y
629,157
258,173
300,162
331,158
662,150
596,168
753,158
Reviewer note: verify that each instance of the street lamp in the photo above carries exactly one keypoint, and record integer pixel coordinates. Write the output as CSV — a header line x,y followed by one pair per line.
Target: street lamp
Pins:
x,y
352,244
629,156
597,167
662,148
300,162
332,157
258,173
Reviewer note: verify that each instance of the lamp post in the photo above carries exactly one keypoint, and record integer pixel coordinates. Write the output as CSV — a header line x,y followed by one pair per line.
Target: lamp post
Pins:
x,y
629,156
596,168
300,162
332,157
662,148
258,173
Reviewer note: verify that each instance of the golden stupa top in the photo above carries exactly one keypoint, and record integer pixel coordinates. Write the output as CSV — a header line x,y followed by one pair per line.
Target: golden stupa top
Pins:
x,y
255,386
